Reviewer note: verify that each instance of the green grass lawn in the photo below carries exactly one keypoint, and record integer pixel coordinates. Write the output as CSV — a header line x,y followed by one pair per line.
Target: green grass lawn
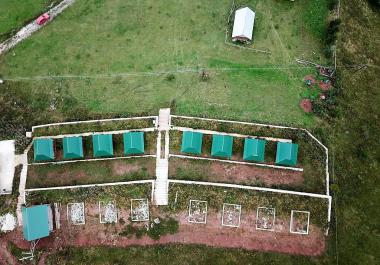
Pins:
x,y
117,45
15,13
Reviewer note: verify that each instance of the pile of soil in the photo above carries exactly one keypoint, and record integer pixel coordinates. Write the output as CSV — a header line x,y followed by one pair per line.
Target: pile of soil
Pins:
x,y
309,80
325,86
306,105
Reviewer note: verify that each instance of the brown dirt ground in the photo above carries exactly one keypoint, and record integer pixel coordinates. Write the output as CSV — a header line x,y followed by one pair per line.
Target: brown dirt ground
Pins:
x,y
240,174
306,105
211,234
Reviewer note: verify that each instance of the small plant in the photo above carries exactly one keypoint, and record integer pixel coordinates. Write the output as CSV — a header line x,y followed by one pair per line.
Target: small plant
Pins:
x,y
170,77
204,76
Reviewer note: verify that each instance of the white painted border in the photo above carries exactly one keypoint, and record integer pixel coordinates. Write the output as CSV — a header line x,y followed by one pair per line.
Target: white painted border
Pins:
x,y
291,222
90,160
84,134
69,216
93,121
231,204
188,217
257,218
100,212
237,162
136,220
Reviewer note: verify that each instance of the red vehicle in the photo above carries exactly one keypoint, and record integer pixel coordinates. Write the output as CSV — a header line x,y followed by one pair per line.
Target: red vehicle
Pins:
x,y
42,19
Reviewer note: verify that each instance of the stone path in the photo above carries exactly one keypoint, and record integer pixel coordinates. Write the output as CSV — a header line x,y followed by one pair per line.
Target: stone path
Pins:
x,y
32,27
162,164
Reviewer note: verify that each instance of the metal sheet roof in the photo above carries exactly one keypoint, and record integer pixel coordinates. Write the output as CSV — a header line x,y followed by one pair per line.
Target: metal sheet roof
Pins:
x,y
243,23
35,222
7,165
133,143
192,142
222,146
102,145
43,149
287,154
72,147
254,150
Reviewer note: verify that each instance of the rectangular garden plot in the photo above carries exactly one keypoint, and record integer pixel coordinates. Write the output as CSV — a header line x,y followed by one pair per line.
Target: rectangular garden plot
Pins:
x,y
299,222
231,215
265,218
75,213
139,210
197,212
107,212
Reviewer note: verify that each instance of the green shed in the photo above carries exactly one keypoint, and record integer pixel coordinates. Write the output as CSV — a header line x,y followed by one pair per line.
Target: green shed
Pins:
x,y
133,143
254,149
192,142
222,146
35,222
72,147
43,149
286,154
102,145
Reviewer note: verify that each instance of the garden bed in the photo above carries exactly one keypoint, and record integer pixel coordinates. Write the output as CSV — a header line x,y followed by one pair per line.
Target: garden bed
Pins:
x,y
150,139
250,200
98,126
90,172
121,194
221,172
311,156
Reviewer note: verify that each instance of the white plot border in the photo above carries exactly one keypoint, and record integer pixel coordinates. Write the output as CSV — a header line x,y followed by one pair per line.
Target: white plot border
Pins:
x,y
100,212
190,215
257,218
147,204
69,219
291,223
236,206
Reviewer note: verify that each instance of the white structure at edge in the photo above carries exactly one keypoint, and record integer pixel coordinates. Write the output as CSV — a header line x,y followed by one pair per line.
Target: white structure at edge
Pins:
x,y
243,24
7,166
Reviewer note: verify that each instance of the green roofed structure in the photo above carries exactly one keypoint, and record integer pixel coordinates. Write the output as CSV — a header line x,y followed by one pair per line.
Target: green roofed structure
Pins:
x,y
35,221
72,147
192,142
102,145
286,154
222,146
133,143
254,150
43,149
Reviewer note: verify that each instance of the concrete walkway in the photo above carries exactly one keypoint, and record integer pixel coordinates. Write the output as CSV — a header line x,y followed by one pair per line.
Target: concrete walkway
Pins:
x,y
23,160
162,164
32,27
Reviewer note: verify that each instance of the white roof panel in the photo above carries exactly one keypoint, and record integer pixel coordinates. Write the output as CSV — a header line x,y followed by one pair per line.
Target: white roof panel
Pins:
x,y
243,23
7,165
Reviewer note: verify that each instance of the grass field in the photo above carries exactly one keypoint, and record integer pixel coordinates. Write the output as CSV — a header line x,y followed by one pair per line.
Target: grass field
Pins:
x,y
120,65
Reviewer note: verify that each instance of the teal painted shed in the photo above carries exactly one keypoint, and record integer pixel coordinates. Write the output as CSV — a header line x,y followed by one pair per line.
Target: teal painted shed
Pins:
x,y
72,147
102,145
222,146
192,142
287,154
43,149
254,150
35,221
133,143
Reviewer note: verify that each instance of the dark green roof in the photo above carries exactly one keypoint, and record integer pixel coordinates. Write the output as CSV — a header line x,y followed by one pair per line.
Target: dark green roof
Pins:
x,y
133,143
222,146
286,154
192,142
102,145
35,222
72,147
43,149
254,149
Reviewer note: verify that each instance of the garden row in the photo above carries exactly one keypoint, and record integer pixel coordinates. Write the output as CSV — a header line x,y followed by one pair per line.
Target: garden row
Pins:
x,y
94,126
222,147
94,146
